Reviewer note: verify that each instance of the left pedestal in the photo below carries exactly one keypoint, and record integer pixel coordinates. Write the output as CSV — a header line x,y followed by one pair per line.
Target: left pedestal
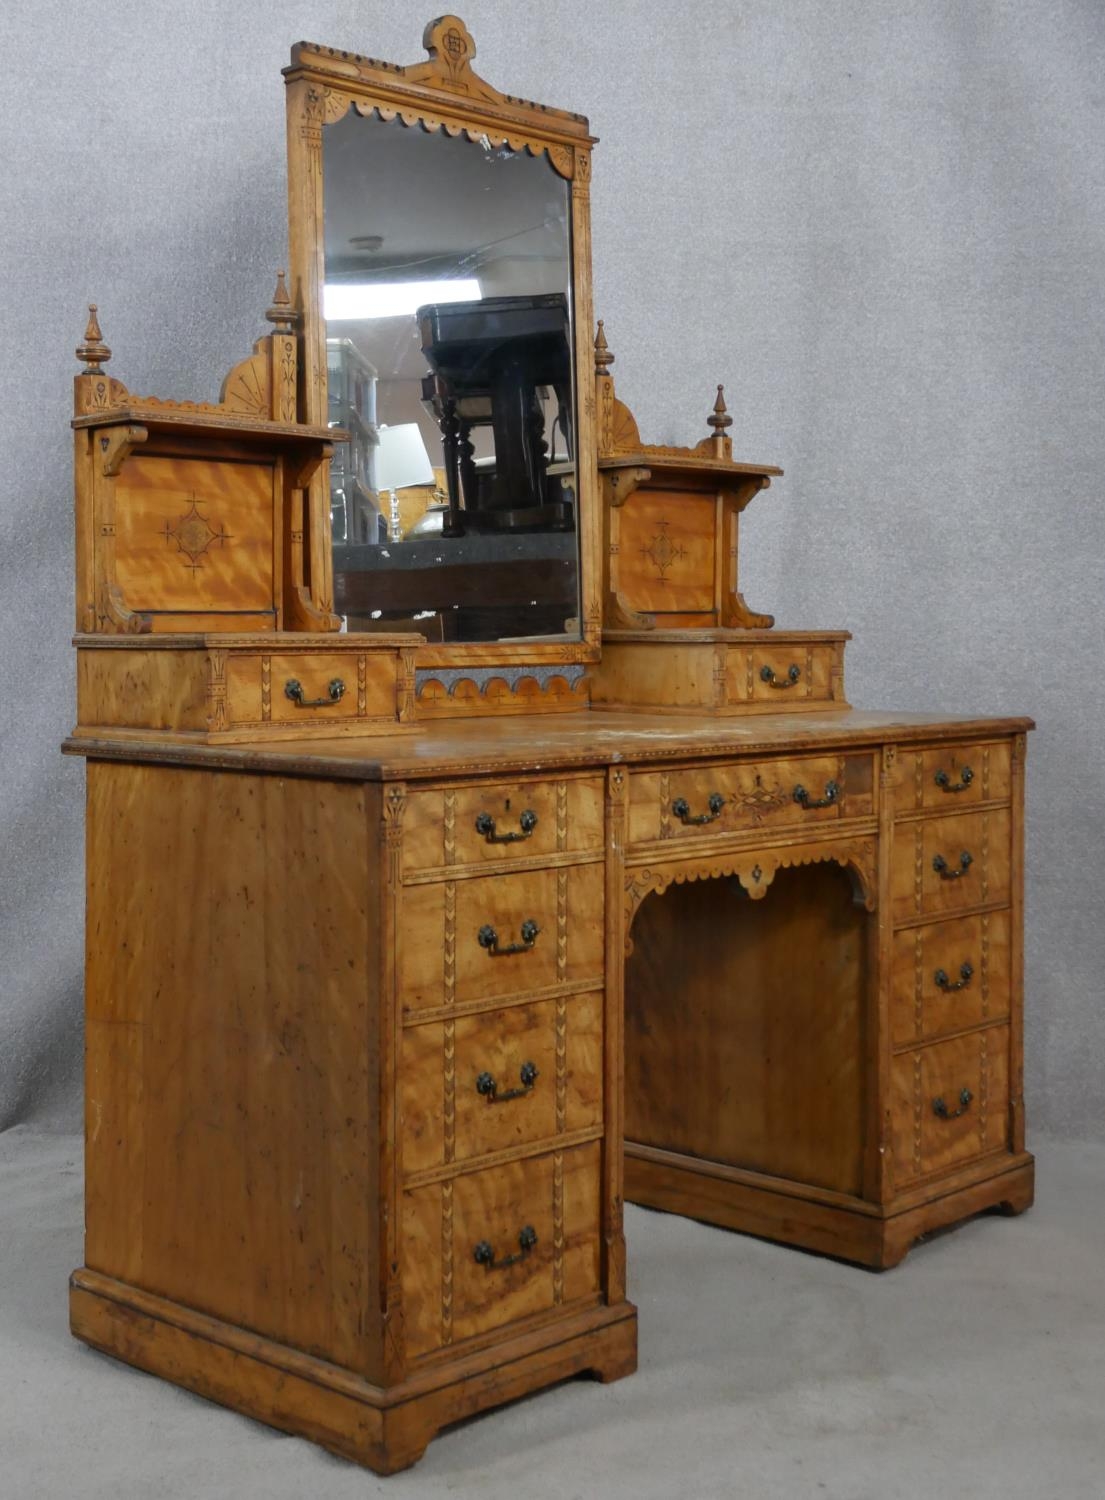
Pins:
x,y
251,1233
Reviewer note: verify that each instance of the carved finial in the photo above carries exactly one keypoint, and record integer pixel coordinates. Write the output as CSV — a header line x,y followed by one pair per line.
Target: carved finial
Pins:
x,y
94,352
720,418
603,358
281,314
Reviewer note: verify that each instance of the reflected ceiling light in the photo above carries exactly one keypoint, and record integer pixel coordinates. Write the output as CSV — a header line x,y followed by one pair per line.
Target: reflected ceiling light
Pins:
x,y
391,299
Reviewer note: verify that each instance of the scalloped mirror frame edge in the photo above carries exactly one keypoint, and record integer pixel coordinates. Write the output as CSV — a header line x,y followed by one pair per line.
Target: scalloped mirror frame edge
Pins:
x,y
442,93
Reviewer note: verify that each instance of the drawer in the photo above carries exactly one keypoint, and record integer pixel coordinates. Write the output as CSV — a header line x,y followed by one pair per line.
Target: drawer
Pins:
x,y
217,689
467,1270
309,687
950,975
720,670
471,825
946,776
741,795
545,1060
950,1103
947,864
495,935
782,674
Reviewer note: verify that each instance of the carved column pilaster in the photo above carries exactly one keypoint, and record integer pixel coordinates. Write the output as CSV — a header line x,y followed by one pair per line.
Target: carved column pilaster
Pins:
x,y
390,1020
613,1234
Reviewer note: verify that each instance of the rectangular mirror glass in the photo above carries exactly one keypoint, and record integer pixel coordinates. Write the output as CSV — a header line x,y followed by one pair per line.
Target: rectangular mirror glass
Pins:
x,y
447,299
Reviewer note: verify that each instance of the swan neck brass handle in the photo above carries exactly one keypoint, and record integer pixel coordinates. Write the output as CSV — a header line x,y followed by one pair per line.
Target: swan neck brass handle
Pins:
x,y
946,784
293,689
486,1085
966,974
942,1112
767,674
803,798
489,939
527,822
484,1253
682,810
940,865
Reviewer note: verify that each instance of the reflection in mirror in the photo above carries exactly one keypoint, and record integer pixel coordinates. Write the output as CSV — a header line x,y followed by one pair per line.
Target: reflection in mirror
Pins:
x,y
447,300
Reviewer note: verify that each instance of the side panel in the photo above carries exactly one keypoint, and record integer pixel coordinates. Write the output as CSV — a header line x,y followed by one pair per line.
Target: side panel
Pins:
x,y
231,986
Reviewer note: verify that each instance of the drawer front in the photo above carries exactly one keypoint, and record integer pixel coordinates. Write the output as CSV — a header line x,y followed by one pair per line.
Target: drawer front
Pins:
x,y
943,865
500,1079
310,688
474,939
950,975
948,777
737,796
449,1294
950,1103
781,675
517,820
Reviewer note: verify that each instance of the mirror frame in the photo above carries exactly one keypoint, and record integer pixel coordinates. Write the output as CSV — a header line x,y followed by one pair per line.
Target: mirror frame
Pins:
x,y
322,83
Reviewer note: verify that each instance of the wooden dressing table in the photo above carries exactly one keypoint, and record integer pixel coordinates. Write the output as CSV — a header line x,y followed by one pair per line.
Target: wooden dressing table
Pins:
x,y
391,945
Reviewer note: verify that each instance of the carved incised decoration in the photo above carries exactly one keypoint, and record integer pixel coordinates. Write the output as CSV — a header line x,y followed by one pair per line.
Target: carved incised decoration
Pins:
x,y
447,1262
416,95
216,690
755,870
558,1227
492,692
759,801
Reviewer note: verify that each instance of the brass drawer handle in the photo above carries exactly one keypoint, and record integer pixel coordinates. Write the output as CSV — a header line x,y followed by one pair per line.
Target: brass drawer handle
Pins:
x,y
946,784
484,1254
485,824
966,974
942,1112
803,798
682,810
486,1085
293,689
489,939
940,865
767,674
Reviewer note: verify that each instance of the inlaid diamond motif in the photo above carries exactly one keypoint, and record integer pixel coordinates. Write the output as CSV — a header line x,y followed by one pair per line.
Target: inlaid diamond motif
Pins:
x,y
194,535
662,552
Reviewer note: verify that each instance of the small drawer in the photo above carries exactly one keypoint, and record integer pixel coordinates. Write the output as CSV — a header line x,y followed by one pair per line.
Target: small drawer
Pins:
x,y
950,1103
738,796
500,1079
489,1248
948,864
309,688
493,935
950,975
515,820
782,675
948,777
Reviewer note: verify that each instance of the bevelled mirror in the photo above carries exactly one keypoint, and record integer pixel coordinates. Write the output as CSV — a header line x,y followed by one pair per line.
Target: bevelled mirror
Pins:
x,y
441,257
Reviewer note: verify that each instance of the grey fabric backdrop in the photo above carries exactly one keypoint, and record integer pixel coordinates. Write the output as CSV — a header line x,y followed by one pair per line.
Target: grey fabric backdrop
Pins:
x,y
880,222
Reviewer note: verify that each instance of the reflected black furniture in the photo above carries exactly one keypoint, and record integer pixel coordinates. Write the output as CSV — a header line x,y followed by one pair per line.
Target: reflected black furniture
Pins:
x,y
489,362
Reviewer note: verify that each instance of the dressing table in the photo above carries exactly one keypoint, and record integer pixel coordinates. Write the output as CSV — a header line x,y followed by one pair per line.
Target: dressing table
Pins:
x,y
414,951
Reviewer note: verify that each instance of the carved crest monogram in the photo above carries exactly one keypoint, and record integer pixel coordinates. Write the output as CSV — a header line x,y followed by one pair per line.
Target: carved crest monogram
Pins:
x,y
194,536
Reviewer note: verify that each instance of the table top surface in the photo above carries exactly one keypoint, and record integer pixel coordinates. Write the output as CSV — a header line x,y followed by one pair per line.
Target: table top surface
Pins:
x,y
533,743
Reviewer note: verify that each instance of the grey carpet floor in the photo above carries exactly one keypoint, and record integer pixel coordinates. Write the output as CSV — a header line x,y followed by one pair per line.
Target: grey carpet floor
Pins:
x,y
975,1369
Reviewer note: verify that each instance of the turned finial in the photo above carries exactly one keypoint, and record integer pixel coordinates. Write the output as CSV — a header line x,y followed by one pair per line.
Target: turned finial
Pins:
x,y
94,352
719,419
281,314
603,358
